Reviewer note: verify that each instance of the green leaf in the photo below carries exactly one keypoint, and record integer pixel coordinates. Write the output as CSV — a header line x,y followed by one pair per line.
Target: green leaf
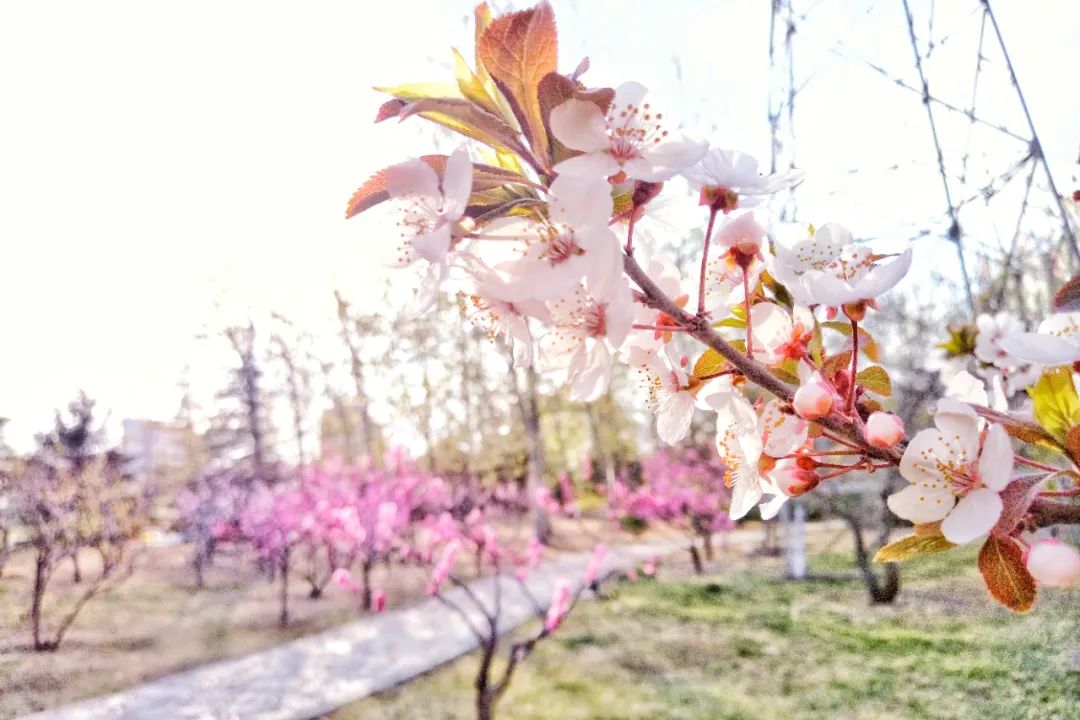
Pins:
x,y
867,345
961,340
1056,405
422,90
875,379
910,546
731,322
710,363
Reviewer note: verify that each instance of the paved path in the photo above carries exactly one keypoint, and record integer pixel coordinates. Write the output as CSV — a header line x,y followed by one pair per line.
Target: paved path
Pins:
x,y
314,675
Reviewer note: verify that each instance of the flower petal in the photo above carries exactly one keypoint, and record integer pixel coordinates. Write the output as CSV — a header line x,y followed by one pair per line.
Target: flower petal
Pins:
x,y
744,495
974,516
594,164
781,433
1041,349
580,200
432,246
579,125
413,178
663,161
592,377
883,276
673,418
996,461
457,183
921,505
629,93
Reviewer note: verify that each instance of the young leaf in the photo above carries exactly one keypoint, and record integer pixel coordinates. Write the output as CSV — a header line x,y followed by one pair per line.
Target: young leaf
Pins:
x,y
373,192
912,545
518,50
833,364
1020,428
466,118
875,379
731,322
1055,402
710,363
1016,498
471,87
422,90
1002,566
554,90
867,345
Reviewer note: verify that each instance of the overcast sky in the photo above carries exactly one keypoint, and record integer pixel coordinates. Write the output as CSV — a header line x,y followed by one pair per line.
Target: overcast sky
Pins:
x,y
161,159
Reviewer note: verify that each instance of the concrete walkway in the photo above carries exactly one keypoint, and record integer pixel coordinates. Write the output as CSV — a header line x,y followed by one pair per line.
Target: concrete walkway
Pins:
x,y
314,675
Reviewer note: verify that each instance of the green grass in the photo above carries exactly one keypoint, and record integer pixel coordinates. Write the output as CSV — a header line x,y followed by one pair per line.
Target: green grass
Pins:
x,y
749,647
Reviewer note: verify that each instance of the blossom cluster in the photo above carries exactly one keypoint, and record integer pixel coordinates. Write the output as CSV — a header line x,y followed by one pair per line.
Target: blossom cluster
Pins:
x,y
534,233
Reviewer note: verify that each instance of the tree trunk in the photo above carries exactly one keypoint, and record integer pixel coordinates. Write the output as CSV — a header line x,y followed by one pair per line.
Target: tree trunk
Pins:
x,y
485,695
706,540
365,586
881,593
41,568
541,521
283,617
695,560
599,449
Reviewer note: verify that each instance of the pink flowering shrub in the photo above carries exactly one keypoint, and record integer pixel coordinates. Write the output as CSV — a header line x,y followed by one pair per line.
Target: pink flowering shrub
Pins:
x,y
680,487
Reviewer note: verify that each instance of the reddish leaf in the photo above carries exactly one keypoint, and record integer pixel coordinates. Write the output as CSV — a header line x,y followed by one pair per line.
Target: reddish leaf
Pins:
x,y
389,109
1001,563
1067,298
1016,499
554,90
518,50
373,192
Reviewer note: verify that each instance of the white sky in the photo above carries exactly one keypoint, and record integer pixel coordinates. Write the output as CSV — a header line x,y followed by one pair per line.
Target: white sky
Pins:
x,y
156,158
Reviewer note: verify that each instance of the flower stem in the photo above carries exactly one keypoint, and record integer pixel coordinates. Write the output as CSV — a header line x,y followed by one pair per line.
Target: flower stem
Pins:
x,y
1035,464
854,366
659,328
630,235
705,264
1060,493
749,324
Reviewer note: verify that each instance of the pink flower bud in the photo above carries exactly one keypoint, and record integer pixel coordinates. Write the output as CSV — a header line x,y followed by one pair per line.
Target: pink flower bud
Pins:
x,y
560,605
378,601
792,479
592,571
884,430
442,568
649,568
632,575
343,579
814,399
1052,562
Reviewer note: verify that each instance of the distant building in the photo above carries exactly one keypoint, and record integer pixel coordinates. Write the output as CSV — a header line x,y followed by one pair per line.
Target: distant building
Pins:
x,y
160,450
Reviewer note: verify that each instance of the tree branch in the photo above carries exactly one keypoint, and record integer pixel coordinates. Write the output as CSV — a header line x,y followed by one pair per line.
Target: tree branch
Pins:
x,y
700,329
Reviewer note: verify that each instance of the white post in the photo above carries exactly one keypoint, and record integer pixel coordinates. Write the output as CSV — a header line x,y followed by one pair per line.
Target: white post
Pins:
x,y
795,542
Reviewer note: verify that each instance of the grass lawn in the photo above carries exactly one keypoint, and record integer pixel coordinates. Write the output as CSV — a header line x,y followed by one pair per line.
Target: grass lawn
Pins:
x,y
745,646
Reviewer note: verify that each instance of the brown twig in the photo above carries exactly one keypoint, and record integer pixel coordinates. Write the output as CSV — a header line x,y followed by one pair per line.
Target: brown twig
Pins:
x,y
700,330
